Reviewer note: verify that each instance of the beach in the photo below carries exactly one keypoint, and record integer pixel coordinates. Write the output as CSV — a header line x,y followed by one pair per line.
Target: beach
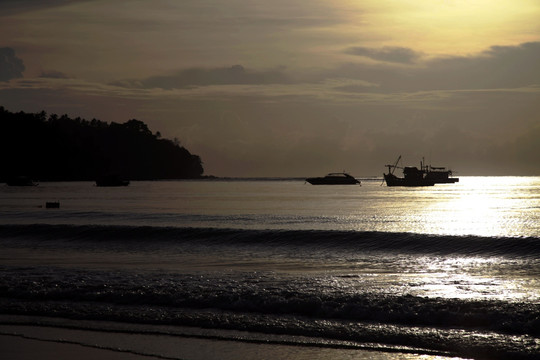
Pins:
x,y
272,269
19,348
49,343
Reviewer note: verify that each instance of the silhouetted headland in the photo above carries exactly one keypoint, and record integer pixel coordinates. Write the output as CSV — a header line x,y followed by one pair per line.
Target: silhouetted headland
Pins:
x,y
52,148
20,181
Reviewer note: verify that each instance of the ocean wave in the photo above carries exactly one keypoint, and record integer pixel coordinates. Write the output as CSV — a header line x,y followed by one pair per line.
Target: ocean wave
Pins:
x,y
256,293
266,303
42,235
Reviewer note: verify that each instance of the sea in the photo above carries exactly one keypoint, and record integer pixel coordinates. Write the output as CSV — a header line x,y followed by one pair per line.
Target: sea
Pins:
x,y
276,268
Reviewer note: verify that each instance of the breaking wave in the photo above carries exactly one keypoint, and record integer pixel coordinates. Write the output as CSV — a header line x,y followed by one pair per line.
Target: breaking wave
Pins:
x,y
149,236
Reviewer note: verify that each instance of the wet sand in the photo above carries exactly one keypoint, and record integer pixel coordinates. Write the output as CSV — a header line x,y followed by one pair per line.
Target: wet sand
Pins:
x,y
47,343
19,348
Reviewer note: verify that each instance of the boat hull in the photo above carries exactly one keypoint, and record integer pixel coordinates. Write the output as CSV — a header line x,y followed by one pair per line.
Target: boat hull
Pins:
x,y
441,177
324,181
334,179
446,181
392,180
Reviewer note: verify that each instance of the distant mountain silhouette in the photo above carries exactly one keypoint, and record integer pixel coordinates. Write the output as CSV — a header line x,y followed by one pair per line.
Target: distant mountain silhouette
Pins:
x,y
52,148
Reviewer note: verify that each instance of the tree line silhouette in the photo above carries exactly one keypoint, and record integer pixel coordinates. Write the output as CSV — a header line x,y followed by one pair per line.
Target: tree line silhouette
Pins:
x,y
58,148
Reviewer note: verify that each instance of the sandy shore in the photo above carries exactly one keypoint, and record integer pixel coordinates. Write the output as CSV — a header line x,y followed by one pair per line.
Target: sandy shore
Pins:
x,y
29,342
18,348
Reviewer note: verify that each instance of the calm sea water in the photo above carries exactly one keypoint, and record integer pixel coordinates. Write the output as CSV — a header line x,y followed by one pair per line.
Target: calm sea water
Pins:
x,y
446,270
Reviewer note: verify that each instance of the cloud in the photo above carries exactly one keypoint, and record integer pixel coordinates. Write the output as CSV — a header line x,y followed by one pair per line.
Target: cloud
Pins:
x,y
8,7
400,55
234,75
499,67
11,67
52,74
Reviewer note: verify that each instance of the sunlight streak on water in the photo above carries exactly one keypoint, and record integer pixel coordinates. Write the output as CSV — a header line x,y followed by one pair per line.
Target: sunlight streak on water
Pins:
x,y
483,206
439,277
471,278
488,207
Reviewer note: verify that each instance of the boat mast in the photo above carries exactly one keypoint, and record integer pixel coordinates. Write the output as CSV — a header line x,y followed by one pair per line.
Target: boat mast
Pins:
x,y
392,168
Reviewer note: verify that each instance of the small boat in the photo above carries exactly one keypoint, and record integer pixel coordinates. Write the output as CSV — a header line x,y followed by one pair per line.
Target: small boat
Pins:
x,y
413,176
334,179
111,180
20,181
52,205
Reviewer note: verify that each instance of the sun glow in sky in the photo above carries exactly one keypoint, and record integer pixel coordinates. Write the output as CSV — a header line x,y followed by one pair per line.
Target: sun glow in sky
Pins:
x,y
289,88
455,26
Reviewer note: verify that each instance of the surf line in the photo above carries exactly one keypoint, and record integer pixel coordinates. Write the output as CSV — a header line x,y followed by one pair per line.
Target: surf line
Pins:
x,y
330,344
71,342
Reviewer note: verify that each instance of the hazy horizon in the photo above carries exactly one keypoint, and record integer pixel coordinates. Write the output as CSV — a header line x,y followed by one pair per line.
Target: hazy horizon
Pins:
x,y
283,89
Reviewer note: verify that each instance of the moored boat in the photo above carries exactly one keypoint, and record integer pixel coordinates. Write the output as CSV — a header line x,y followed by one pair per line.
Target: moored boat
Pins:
x,y
334,179
412,176
426,175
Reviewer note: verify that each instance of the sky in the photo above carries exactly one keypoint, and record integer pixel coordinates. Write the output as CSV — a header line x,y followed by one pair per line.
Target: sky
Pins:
x,y
291,88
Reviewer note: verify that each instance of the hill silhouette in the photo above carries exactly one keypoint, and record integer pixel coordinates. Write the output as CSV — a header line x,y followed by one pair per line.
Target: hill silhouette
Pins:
x,y
52,148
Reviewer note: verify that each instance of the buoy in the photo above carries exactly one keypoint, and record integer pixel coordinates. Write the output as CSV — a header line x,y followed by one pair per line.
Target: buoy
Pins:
x,y
52,205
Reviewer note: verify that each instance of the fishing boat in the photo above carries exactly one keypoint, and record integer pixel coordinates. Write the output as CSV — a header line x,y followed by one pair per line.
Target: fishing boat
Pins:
x,y
426,175
412,176
334,179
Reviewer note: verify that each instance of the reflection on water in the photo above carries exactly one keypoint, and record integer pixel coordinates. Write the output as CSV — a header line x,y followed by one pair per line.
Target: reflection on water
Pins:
x,y
396,280
483,206
486,206
439,277
472,278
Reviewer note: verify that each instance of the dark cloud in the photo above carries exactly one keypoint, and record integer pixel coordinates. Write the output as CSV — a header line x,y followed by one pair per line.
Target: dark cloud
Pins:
x,y
388,54
10,7
496,68
499,66
11,67
52,74
234,75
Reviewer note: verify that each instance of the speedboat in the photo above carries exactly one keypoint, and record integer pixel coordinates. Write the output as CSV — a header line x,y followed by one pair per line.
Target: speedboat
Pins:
x,y
334,179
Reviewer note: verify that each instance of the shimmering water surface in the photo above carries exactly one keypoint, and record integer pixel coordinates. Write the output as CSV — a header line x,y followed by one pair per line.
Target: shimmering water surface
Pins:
x,y
484,206
446,270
